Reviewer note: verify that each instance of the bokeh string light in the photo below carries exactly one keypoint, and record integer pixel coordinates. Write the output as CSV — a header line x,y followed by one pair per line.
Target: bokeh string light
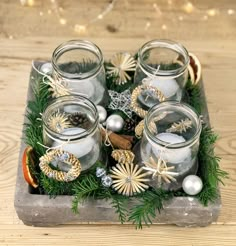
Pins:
x,y
187,8
78,28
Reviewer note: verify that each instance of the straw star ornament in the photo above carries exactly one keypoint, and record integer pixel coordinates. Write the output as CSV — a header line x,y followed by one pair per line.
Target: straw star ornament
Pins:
x,y
160,170
128,179
58,122
181,126
121,63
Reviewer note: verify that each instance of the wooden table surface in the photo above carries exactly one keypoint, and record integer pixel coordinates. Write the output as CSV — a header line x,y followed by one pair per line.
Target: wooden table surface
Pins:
x,y
206,28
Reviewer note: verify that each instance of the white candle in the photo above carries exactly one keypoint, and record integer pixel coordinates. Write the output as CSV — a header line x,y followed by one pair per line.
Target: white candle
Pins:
x,y
86,150
173,156
168,87
90,88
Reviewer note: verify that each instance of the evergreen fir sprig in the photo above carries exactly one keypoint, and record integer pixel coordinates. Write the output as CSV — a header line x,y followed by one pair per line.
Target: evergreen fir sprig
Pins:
x,y
150,202
193,96
84,189
120,204
33,126
209,169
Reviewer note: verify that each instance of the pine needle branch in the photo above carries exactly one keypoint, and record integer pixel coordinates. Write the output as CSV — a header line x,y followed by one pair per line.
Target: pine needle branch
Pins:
x,y
85,188
150,202
209,169
120,203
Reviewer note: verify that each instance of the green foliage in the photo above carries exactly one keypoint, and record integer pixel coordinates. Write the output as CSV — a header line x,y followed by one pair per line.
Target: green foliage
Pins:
x,y
84,189
54,188
193,96
120,204
150,202
209,169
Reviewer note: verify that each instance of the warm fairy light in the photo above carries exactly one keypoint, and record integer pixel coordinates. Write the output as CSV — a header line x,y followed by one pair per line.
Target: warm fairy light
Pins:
x,y
100,16
212,12
181,18
148,24
188,7
41,13
80,28
10,37
205,17
164,27
29,3
157,9
169,2
230,12
63,21
49,11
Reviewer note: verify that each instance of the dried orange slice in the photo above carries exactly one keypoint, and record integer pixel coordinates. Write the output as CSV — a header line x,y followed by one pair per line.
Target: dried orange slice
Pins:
x,y
194,69
26,160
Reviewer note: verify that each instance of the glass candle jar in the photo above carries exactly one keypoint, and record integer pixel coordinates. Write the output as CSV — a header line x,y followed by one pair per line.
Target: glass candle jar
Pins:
x,y
78,65
162,64
70,123
170,143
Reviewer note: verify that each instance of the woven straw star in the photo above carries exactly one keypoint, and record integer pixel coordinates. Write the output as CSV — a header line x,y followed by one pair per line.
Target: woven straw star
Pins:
x,y
160,170
128,179
121,64
57,87
58,122
181,126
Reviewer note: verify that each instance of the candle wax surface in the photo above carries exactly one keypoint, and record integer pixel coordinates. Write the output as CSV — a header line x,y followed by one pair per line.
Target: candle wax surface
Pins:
x,y
90,88
171,155
168,87
79,148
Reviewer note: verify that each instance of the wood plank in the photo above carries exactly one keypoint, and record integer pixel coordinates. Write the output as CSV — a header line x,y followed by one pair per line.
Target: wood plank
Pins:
x,y
116,235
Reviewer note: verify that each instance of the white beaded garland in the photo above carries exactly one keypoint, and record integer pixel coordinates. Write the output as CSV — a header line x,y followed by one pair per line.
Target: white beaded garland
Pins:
x,y
115,123
192,185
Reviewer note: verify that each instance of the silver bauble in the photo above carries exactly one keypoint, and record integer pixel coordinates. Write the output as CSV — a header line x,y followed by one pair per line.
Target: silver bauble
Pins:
x,y
100,172
192,185
115,123
102,113
107,181
46,68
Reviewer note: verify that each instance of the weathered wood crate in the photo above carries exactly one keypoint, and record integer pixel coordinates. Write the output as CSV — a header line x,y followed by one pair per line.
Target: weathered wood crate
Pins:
x,y
41,210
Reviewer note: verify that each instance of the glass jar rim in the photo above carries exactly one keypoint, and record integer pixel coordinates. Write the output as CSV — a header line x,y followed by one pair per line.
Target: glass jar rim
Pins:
x,y
163,43
70,98
76,45
184,106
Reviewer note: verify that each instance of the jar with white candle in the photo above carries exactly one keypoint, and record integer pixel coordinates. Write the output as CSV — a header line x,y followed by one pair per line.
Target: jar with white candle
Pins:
x,y
171,137
162,64
70,123
78,66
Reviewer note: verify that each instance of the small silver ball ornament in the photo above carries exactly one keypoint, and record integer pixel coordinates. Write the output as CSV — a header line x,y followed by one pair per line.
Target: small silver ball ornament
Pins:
x,y
115,123
107,181
100,172
192,185
102,113
46,68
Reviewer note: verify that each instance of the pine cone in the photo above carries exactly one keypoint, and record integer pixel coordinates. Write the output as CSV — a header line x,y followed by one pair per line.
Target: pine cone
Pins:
x,y
123,156
78,119
129,125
